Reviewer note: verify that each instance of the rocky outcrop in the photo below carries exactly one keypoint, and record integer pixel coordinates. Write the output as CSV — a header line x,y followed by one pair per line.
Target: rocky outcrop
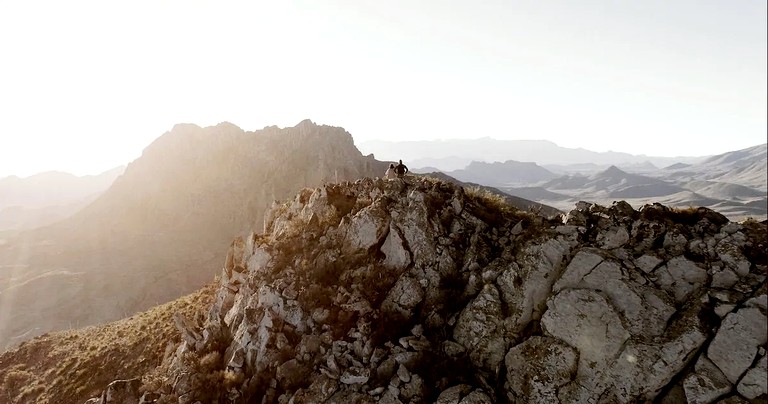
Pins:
x,y
378,291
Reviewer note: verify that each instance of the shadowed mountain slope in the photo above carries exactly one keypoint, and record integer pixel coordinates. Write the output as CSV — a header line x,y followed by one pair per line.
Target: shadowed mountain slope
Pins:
x,y
53,188
158,232
45,198
74,365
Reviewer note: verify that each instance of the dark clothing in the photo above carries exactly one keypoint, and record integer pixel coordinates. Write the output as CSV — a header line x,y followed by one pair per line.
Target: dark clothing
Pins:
x,y
401,169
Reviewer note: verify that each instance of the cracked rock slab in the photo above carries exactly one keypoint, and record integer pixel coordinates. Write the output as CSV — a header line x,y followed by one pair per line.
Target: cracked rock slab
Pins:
x,y
706,384
585,320
736,343
538,367
754,382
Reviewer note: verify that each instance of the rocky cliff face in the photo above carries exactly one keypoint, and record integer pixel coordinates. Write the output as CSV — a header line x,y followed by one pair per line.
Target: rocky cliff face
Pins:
x,y
379,291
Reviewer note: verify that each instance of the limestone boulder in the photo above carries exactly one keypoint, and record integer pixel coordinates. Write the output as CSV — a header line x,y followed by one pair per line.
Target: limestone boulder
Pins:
x,y
681,277
736,343
122,392
537,368
526,285
755,381
453,395
586,320
706,384
643,369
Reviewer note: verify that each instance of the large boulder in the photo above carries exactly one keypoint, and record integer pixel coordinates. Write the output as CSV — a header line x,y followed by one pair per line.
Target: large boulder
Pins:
x,y
736,343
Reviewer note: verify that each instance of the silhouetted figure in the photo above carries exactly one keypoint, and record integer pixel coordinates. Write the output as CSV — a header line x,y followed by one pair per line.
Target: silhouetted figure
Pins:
x,y
390,174
401,169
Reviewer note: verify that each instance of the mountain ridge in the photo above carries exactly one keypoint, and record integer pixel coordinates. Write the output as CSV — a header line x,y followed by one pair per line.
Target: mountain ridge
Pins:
x,y
156,232
159,229
542,152
377,291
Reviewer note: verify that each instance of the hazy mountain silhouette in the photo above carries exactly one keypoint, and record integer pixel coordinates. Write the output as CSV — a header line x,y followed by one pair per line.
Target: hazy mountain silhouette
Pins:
x,y
160,229
614,182
53,188
746,167
733,183
451,152
47,197
507,173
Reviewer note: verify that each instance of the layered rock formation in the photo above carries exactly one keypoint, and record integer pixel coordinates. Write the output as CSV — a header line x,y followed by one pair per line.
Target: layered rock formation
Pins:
x,y
378,291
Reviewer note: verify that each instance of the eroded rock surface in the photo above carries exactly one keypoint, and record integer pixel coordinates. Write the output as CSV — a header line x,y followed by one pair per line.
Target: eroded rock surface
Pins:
x,y
395,292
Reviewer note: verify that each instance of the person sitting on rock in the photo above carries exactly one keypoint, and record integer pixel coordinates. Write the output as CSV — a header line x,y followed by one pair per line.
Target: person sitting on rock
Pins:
x,y
390,174
401,169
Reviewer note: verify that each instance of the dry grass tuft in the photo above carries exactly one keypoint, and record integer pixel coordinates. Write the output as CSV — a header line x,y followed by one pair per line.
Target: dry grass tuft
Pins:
x,y
73,366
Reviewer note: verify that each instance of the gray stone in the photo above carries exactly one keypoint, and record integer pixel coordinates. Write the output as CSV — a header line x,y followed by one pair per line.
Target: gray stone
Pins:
x,y
476,397
453,395
730,228
366,229
586,321
647,263
321,389
760,302
706,384
407,292
414,389
582,264
291,374
735,345
645,310
122,392
480,318
525,287
731,255
724,279
681,277
754,382
453,349
403,374
615,237
643,369
397,257
722,309
355,376
537,368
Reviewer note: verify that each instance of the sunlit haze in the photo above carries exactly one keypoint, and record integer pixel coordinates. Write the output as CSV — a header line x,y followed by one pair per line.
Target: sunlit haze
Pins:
x,y
85,86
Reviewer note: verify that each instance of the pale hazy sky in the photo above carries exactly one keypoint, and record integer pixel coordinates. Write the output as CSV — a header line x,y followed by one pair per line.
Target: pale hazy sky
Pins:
x,y
85,86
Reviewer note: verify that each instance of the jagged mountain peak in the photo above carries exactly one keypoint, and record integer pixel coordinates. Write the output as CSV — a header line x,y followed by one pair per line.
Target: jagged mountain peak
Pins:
x,y
306,123
172,212
419,290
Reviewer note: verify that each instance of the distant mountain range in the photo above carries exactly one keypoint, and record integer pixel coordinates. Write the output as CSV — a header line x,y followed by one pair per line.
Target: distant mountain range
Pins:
x,y
455,154
733,183
47,197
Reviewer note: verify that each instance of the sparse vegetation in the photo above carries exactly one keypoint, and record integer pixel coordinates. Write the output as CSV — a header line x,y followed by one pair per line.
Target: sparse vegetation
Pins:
x,y
72,366
488,199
